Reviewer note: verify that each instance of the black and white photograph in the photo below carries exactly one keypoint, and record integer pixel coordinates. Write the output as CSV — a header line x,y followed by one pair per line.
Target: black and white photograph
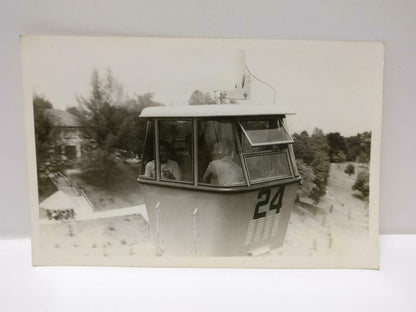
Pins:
x,y
177,152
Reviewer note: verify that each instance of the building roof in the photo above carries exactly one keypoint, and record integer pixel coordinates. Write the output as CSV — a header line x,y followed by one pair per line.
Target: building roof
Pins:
x,y
60,118
216,110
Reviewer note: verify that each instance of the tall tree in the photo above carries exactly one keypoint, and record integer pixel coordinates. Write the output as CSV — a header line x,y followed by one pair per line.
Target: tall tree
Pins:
x,y
320,163
307,186
102,116
336,144
42,123
133,128
111,120
313,151
43,136
359,147
302,147
339,157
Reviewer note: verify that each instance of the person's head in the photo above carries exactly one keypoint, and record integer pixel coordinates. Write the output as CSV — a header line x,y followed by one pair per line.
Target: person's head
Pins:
x,y
220,150
164,151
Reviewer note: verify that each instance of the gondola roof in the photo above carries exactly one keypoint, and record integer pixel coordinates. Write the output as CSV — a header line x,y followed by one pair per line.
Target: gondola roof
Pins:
x,y
218,110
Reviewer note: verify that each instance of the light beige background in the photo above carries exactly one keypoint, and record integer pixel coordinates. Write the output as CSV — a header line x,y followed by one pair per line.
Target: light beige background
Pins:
x,y
390,21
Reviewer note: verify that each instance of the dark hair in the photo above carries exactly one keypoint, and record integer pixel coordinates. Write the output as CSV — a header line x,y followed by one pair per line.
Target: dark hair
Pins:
x,y
165,144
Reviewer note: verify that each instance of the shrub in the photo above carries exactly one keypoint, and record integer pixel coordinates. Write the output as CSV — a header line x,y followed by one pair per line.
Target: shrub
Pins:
x,y
350,169
362,184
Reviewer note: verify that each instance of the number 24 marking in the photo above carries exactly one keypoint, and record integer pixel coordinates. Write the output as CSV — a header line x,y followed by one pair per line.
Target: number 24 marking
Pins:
x,y
273,205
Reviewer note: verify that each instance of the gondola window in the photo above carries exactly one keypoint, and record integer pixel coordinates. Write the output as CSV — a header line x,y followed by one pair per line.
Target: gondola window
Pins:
x,y
175,150
265,131
219,163
268,167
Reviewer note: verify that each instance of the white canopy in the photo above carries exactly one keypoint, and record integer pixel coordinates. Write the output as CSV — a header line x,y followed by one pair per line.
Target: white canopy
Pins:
x,y
58,201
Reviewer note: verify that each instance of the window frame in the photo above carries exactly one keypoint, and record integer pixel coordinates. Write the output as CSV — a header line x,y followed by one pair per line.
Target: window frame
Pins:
x,y
146,136
292,157
238,134
259,118
236,142
265,153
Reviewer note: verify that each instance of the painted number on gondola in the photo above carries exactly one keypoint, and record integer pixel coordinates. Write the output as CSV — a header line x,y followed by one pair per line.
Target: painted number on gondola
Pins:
x,y
275,203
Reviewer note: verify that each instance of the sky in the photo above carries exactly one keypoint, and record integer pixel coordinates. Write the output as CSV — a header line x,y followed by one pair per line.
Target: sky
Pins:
x,y
335,86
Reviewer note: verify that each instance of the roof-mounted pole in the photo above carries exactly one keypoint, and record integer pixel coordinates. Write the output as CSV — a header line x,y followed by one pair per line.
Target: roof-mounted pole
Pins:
x,y
242,88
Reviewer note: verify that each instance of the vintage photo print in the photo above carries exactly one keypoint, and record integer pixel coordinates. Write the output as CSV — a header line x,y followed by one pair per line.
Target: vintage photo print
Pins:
x,y
203,152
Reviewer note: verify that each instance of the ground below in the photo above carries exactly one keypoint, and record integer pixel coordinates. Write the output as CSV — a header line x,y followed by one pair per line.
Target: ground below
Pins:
x,y
121,190
335,226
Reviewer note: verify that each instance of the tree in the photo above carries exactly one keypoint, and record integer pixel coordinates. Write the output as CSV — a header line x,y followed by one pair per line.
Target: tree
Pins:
x,y
363,158
320,163
102,116
42,124
45,160
339,157
308,178
132,130
200,98
362,184
320,166
359,147
336,144
42,130
350,169
302,147
111,121
313,151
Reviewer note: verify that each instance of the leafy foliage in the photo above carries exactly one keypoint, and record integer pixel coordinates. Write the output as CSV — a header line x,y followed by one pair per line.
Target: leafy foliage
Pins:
x,y
308,179
303,147
339,157
359,147
336,144
110,121
43,136
42,124
318,150
200,98
313,151
350,169
355,148
320,163
45,160
362,184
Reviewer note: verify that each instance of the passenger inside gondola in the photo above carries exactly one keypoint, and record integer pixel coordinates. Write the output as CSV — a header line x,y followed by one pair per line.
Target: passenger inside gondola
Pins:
x,y
175,152
169,168
218,160
222,170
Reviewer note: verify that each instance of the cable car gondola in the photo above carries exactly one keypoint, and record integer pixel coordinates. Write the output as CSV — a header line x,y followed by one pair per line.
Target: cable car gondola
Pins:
x,y
218,180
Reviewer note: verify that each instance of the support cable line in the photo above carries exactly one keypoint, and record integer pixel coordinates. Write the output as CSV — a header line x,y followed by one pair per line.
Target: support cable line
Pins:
x,y
262,81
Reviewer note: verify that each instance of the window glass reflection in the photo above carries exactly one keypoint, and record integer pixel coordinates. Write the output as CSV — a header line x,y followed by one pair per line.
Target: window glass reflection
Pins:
x,y
175,150
219,163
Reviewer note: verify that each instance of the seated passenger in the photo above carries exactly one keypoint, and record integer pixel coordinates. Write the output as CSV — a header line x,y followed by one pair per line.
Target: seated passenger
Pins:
x,y
169,169
222,170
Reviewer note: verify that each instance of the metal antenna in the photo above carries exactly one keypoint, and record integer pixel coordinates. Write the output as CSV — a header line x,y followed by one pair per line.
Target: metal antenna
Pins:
x,y
270,86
